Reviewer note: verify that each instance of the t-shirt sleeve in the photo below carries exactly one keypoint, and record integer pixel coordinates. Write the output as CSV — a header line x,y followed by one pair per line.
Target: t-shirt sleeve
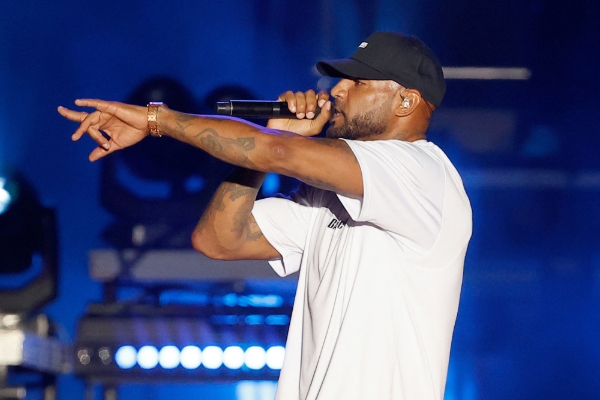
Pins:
x,y
403,190
284,222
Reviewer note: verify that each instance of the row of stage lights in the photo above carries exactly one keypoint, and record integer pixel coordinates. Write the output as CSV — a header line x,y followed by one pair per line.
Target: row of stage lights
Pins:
x,y
192,357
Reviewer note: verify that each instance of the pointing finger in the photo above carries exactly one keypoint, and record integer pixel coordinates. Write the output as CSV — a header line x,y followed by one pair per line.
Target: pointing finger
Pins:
x,y
133,115
71,115
100,105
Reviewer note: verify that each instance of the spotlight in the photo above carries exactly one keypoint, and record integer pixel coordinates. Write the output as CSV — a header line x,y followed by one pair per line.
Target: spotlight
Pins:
x,y
5,196
212,357
147,357
27,233
169,357
275,356
137,183
233,357
126,357
255,357
178,343
20,224
191,357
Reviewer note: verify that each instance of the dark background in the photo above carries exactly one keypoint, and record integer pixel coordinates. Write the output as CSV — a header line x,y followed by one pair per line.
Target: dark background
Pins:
x,y
528,325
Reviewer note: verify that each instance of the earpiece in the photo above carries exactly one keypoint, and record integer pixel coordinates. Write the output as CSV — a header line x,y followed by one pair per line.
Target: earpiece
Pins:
x,y
406,102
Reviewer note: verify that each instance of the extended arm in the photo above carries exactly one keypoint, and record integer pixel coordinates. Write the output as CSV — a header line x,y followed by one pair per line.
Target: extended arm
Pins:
x,y
227,229
325,163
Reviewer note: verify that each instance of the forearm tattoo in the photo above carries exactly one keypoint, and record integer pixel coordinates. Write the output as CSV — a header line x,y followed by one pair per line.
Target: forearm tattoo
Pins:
x,y
215,205
183,122
240,218
232,150
254,232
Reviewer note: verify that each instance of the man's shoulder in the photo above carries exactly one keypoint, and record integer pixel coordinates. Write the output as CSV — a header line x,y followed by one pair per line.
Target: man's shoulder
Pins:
x,y
395,145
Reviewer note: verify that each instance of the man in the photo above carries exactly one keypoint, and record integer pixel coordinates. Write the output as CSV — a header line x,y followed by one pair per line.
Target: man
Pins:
x,y
378,230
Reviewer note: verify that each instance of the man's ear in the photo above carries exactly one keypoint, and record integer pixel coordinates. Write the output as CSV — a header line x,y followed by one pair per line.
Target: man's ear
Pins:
x,y
406,102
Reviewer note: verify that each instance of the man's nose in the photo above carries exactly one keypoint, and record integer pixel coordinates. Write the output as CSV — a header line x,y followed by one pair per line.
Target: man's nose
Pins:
x,y
340,89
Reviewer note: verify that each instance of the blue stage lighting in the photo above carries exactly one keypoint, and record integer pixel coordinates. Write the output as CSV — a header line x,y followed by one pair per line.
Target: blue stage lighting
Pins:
x,y
194,183
254,319
168,357
212,357
281,319
233,357
255,390
255,357
5,197
147,357
230,300
126,357
275,355
191,357
261,300
226,319
271,184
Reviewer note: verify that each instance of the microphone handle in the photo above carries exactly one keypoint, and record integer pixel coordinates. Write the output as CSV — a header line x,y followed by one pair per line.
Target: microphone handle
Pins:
x,y
256,109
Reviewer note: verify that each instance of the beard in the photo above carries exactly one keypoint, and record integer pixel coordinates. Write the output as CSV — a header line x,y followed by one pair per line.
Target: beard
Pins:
x,y
372,123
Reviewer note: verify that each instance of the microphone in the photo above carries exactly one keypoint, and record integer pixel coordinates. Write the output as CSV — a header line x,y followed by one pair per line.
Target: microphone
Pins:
x,y
256,109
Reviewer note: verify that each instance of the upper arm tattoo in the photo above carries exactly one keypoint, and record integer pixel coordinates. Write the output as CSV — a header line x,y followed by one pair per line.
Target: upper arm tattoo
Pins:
x,y
254,232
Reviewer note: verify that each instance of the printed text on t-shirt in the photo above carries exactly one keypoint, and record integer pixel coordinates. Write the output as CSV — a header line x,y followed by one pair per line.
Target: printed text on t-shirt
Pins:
x,y
336,224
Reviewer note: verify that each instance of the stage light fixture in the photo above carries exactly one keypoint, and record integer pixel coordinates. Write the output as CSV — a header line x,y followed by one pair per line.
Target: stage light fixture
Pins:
x,y
169,357
126,357
213,362
28,248
191,357
182,343
147,357
233,357
105,356
154,187
5,196
275,356
255,357
84,357
212,357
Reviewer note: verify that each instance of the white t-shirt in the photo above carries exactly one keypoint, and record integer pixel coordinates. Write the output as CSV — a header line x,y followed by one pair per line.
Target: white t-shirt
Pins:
x,y
379,279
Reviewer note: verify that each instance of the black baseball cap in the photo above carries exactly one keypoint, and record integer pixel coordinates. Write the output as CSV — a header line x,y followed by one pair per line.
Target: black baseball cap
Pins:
x,y
393,56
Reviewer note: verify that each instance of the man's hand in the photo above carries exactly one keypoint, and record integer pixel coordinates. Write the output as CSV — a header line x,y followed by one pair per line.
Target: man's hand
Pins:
x,y
124,124
304,105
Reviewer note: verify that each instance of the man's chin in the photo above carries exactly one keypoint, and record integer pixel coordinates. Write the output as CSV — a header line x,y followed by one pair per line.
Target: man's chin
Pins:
x,y
334,133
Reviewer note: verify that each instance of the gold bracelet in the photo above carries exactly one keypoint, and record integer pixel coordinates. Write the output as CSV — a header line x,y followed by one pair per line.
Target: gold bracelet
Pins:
x,y
152,118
